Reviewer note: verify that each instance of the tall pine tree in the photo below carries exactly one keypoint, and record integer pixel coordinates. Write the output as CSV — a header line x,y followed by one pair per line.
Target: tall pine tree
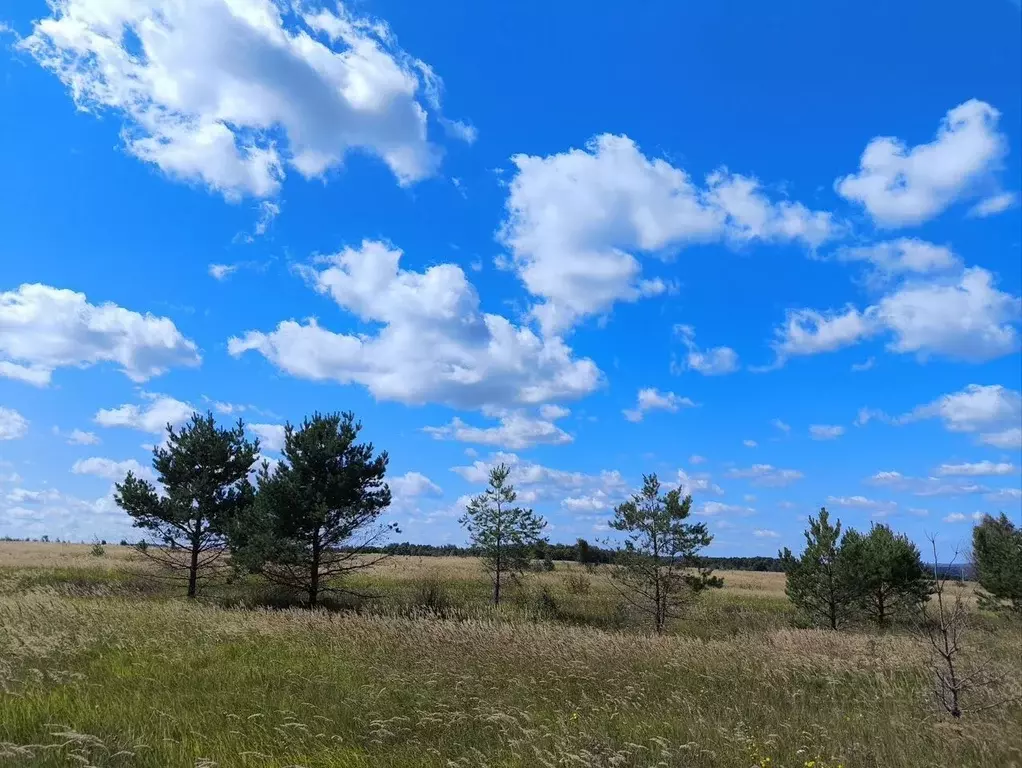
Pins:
x,y
820,582
204,471
317,512
889,573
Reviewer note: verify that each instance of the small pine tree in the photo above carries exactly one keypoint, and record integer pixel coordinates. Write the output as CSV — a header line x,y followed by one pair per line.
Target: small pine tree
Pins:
x,y
504,533
583,553
820,582
659,563
204,471
316,514
997,558
889,572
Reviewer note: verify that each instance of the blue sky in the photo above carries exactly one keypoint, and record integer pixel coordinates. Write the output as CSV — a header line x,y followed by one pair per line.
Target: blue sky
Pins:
x,y
770,252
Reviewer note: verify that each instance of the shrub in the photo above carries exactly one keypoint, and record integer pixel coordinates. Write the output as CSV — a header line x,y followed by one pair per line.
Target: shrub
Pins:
x,y
97,549
431,595
577,584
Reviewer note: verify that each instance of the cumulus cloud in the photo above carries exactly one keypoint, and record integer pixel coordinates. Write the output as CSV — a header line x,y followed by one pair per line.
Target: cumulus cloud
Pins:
x,y
537,483
81,437
700,482
902,256
650,399
222,271
860,502
517,430
766,475
962,318
12,424
714,508
993,411
750,443
233,94
434,344
709,362
110,469
764,533
993,205
153,416
271,436
925,486
826,431
578,221
977,469
958,517
785,428
44,328
901,186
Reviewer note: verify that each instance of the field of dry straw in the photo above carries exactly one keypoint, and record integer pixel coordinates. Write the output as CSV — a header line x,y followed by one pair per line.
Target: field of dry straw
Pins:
x,y
102,665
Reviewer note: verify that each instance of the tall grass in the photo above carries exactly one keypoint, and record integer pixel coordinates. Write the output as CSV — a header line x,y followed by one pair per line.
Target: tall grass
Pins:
x,y
105,673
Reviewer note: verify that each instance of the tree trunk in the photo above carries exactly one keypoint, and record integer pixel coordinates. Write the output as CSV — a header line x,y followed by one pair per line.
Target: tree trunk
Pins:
x,y
314,571
496,583
193,567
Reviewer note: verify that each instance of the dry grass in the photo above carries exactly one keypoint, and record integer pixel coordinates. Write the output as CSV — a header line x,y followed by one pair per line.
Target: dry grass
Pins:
x,y
109,677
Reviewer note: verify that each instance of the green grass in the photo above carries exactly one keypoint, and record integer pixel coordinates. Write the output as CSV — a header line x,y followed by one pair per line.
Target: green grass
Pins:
x,y
96,670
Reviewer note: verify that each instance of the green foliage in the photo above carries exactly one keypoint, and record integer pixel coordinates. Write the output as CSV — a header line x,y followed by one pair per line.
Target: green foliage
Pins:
x,y
504,534
204,470
97,550
316,512
659,563
583,553
997,556
822,582
888,573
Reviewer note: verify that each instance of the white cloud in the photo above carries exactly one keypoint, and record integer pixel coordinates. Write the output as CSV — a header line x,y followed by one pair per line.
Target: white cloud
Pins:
x,y
925,486
577,220
598,501
517,430
460,130
696,459
826,431
44,328
713,508
650,399
268,211
709,362
1005,494
767,475
964,318
902,186
958,517
222,271
977,469
750,443
763,533
12,424
1006,438
860,502
865,365
903,256
271,436
407,489
153,417
435,345
701,482
537,483
110,469
990,410
993,205
786,428
81,437
866,415
299,94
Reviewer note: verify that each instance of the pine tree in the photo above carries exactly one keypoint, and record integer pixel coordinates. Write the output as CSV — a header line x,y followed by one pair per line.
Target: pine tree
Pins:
x,y
659,564
997,557
820,582
204,471
316,513
888,571
505,534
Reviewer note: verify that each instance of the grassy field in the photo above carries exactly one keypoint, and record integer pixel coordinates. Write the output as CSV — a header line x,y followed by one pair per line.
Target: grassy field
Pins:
x,y
102,665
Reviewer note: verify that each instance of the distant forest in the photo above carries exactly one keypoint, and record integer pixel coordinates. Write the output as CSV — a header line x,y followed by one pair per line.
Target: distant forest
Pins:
x,y
594,555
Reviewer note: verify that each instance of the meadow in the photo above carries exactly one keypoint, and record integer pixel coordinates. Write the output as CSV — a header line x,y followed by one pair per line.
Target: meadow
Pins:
x,y
102,664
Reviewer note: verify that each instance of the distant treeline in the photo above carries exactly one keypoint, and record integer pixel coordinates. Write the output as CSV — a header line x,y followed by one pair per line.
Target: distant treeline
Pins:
x,y
593,554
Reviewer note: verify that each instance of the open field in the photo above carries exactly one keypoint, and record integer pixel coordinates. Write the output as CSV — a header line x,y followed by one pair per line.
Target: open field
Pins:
x,y
101,665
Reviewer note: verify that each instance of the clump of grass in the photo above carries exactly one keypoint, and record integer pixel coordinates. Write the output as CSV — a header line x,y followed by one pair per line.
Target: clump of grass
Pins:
x,y
576,583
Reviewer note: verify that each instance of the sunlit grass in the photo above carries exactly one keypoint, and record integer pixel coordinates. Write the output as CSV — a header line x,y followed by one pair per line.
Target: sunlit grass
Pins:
x,y
99,666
